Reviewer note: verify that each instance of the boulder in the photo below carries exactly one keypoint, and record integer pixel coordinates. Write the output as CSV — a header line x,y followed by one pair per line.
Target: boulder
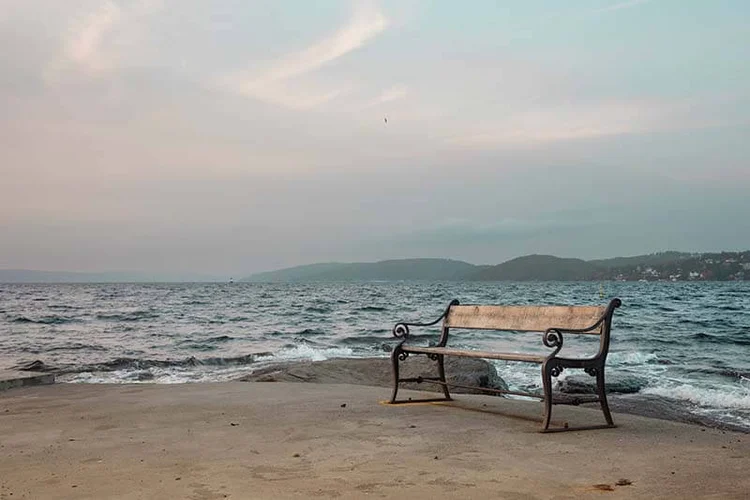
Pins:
x,y
616,384
377,372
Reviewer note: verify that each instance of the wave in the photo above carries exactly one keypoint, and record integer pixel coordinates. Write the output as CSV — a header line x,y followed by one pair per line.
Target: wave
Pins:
x,y
318,310
119,364
220,338
741,339
636,358
45,320
62,307
208,344
300,352
735,374
127,316
309,331
367,340
738,399
372,308
297,334
75,346
666,309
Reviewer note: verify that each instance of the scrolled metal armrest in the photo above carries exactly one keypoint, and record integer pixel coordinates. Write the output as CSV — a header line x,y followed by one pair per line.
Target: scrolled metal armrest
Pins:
x,y
401,331
553,338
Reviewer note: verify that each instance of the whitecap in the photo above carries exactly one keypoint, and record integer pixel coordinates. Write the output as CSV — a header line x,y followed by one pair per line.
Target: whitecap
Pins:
x,y
737,399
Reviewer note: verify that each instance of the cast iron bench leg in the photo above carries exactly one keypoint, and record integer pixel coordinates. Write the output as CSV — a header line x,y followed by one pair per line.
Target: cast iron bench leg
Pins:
x,y
547,384
441,373
602,393
394,360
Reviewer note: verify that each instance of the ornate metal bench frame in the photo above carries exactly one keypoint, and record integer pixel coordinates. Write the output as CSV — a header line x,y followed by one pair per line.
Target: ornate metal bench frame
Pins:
x,y
552,365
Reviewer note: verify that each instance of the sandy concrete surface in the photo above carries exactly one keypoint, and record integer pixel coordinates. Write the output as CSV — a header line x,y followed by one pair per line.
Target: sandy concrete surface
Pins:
x,y
285,440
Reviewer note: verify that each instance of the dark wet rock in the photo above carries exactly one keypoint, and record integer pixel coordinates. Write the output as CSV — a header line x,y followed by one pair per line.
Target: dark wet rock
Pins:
x,y
377,372
615,384
145,375
647,405
35,366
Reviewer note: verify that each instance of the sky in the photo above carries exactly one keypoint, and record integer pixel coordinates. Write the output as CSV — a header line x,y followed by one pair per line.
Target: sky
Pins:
x,y
237,136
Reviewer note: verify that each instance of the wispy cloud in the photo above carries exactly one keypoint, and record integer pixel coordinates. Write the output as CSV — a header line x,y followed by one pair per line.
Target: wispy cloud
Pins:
x,y
622,5
94,42
561,123
84,42
272,84
390,94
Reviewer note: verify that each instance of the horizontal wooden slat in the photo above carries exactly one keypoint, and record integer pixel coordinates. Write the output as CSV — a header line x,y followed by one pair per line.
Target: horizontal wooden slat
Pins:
x,y
524,318
447,351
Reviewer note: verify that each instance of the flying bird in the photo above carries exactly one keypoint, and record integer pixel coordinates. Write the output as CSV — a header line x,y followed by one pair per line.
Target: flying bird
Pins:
x,y
385,120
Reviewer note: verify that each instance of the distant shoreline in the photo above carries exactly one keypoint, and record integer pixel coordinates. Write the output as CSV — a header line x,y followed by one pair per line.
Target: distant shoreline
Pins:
x,y
663,266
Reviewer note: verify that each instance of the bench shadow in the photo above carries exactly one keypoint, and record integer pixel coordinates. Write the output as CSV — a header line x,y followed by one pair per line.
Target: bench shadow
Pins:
x,y
555,424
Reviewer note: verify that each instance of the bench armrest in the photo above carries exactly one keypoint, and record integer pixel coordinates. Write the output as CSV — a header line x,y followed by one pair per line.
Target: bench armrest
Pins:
x,y
553,338
401,329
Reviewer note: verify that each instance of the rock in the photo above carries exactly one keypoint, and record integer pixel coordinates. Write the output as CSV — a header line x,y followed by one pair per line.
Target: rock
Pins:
x,y
35,366
616,384
377,372
145,375
647,405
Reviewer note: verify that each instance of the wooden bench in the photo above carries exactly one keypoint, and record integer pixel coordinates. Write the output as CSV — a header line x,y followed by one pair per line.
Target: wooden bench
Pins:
x,y
551,321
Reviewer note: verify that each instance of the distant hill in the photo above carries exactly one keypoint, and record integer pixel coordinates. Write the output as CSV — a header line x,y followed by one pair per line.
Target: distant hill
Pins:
x,y
537,268
387,270
654,259
663,266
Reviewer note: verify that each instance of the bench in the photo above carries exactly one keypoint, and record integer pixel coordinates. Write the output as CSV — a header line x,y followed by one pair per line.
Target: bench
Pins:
x,y
551,321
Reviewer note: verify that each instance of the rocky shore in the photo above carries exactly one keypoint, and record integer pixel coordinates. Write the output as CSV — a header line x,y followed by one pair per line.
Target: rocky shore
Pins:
x,y
623,393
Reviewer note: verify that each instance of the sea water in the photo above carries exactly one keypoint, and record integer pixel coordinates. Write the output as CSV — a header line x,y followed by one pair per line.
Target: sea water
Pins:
x,y
687,343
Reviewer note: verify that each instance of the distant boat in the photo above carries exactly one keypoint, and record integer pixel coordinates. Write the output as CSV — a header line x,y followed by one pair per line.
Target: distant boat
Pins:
x,y
231,280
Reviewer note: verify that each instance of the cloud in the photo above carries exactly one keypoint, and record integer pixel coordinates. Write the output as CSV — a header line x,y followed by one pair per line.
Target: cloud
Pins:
x,y
99,41
567,122
394,93
275,83
84,43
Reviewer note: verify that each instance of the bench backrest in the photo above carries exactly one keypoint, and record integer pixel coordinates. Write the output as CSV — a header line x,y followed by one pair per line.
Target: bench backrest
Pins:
x,y
525,318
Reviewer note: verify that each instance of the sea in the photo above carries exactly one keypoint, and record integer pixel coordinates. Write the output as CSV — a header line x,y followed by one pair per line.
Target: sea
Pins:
x,y
683,344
